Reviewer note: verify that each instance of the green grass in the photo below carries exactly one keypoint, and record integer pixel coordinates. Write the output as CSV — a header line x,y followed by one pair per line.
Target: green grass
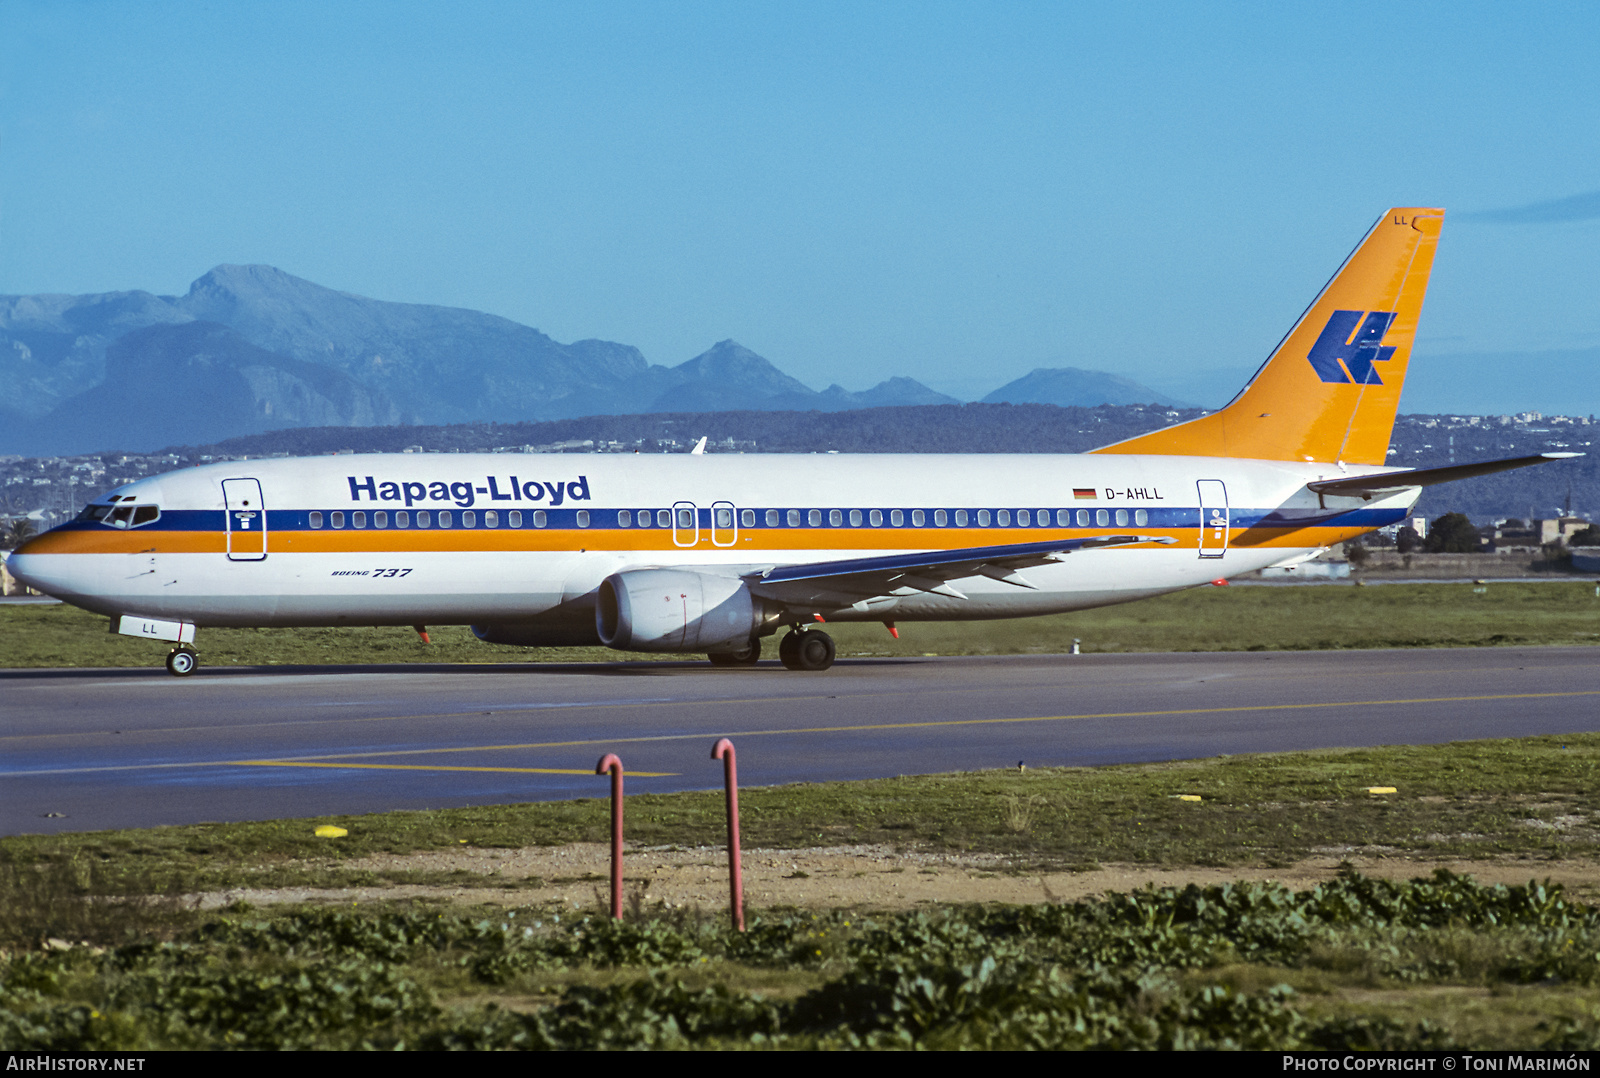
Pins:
x,y
1205,619
1274,618
1530,798
1353,963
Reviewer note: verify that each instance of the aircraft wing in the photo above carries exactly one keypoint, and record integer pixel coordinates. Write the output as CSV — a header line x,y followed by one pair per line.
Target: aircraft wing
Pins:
x,y
1366,486
860,581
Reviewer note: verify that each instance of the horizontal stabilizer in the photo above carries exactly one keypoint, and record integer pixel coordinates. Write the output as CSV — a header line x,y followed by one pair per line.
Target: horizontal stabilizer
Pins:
x,y
1366,486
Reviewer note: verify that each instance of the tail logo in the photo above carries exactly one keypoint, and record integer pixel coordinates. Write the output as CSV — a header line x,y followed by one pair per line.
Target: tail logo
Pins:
x,y
1345,353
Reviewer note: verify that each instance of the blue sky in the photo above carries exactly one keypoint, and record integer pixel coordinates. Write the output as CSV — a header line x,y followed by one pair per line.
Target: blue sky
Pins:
x,y
955,192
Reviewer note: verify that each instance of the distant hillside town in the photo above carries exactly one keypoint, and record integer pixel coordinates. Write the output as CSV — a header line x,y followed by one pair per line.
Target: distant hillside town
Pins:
x,y
49,489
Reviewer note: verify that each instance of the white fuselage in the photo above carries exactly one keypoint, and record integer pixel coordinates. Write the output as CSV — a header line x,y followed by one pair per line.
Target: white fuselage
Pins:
x,y
360,540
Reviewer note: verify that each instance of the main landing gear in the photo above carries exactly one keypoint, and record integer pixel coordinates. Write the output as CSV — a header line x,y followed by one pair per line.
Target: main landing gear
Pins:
x,y
806,649
800,649
182,660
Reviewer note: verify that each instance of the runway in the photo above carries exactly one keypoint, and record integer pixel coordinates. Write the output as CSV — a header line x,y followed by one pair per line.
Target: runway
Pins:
x,y
84,750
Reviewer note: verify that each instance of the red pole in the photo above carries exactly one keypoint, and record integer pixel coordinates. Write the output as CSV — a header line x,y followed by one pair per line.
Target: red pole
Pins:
x,y
610,762
723,750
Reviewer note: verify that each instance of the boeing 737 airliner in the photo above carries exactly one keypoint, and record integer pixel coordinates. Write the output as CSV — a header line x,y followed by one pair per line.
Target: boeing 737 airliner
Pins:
x,y
710,554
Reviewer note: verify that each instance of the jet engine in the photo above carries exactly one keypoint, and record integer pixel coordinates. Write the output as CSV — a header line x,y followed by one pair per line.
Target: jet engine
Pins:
x,y
675,610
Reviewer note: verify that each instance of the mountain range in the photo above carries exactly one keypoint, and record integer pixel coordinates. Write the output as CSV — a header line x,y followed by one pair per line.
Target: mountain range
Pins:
x,y
251,348
1070,387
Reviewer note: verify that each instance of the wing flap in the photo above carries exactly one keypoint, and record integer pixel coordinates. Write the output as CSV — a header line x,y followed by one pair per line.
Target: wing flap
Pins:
x,y
852,581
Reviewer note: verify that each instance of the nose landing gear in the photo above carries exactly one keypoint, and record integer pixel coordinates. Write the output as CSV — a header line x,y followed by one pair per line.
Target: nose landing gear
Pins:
x,y
806,649
182,660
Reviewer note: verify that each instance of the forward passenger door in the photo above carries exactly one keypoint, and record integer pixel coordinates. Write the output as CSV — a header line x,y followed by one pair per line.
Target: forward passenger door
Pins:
x,y
246,520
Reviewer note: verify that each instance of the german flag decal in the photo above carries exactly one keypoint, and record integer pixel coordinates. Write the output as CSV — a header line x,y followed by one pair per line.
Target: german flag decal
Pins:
x,y
1083,493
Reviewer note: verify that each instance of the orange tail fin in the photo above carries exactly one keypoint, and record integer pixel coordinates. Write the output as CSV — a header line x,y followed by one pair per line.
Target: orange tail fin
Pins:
x,y
1332,387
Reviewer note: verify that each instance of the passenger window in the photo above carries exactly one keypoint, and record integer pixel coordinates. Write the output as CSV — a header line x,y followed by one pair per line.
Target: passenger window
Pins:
x,y
918,518
1063,517
380,519
747,518
491,518
514,518
1003,518
540,518
1083,518
855,518
1140,517
402,519
645,518
663,518
1101,517
940,517
445,519
983,518
772,518
315,519
1122,518
1044,518
1023,520
685,519
469,519
814,518
358,519
423,518
624,518
875,518
961,518
724,517
897,517
583,518
835,518
794,518
337,517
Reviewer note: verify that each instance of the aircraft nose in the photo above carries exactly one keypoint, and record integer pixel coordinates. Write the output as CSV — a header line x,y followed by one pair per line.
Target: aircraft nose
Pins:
x,y
18,562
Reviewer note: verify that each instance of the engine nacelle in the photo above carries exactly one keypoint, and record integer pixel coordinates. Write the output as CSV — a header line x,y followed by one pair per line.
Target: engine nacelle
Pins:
x,y
675,610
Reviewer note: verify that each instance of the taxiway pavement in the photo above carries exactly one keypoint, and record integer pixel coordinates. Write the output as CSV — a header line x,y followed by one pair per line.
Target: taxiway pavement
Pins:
x,y
88,750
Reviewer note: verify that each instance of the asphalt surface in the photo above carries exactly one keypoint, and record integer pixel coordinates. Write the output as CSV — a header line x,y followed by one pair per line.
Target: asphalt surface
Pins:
x,y
85,750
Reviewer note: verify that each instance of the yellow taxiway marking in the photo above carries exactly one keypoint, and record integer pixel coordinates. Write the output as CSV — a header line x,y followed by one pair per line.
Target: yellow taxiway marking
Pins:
x,y
333,760
935,723
515,710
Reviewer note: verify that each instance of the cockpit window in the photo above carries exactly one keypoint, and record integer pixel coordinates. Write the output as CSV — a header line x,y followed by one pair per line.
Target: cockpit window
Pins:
x,y
121,516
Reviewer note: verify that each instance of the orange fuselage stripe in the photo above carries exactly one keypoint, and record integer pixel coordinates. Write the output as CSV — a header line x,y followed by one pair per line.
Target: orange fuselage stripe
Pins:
x,y
652,540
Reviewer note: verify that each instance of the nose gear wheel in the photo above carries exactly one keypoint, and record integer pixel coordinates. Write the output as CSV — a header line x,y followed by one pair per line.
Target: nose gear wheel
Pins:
x,y
182,661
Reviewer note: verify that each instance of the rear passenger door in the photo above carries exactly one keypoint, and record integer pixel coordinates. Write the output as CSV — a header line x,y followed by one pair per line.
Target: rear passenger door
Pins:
x,y
1214,525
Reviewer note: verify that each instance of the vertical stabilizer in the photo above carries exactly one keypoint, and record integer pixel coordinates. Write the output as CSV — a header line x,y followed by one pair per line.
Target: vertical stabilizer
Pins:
x,y
1331,390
